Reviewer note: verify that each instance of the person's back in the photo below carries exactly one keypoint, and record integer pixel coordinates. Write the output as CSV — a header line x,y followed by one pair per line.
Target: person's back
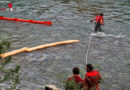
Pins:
x,y
75,82
92,78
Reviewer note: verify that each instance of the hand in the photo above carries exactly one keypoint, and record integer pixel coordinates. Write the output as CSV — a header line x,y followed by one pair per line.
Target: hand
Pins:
x,y
91,21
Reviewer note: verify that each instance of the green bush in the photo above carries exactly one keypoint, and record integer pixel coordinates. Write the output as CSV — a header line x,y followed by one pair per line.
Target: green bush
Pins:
x,y
8,76
62,77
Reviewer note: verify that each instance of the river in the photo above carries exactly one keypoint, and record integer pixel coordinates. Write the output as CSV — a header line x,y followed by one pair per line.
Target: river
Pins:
x,y
109,52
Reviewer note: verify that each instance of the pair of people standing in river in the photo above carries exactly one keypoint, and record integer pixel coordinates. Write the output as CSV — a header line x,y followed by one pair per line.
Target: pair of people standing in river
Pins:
x,y
99,22
91,81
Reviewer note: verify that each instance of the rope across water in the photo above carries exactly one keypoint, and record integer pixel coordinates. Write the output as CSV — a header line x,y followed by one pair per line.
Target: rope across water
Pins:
x,y
90,40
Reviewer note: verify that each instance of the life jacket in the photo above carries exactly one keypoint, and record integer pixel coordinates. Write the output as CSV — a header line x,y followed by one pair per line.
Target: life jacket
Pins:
x,y
92,79
99,19
77,79
74,81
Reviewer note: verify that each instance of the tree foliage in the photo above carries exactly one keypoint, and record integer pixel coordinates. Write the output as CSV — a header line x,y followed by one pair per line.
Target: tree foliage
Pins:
x,y
9,76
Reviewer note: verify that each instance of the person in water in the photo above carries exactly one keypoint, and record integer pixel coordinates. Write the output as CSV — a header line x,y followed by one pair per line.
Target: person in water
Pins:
x,y
74,82
99,22
92,78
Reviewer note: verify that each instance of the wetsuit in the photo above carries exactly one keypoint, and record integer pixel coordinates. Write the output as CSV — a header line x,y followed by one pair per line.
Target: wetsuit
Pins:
x,y
92,80
99,22
74,81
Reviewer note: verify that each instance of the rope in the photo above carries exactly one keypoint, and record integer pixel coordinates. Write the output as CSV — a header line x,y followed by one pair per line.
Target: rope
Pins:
x,y
90,40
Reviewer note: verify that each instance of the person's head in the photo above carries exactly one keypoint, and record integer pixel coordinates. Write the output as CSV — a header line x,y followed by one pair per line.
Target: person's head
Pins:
x,y
76,71
48,88
89,67
97,14
101,14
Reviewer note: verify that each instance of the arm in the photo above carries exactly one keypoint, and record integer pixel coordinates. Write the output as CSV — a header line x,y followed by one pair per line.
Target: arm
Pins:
x,y
66,84
85,83
102,22
100,79
92,20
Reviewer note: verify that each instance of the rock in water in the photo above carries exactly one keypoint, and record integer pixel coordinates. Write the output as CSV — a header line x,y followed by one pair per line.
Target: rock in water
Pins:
x,y
51,87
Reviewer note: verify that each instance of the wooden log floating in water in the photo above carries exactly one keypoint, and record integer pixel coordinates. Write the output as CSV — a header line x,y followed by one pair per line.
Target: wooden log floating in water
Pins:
x,y
26,49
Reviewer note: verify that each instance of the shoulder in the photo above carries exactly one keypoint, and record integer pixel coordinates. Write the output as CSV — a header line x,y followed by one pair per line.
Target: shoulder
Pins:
x,y
69,78
92,73
80,78
101,17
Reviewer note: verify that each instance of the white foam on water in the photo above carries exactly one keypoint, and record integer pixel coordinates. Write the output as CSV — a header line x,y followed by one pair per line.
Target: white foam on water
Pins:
x,y
102,34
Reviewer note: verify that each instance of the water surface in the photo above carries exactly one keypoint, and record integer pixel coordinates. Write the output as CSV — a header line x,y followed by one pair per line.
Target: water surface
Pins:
x,y
110,52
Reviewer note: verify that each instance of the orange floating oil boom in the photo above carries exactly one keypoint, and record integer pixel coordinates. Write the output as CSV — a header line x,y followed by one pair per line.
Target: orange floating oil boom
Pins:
x,y
49,23
27,49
